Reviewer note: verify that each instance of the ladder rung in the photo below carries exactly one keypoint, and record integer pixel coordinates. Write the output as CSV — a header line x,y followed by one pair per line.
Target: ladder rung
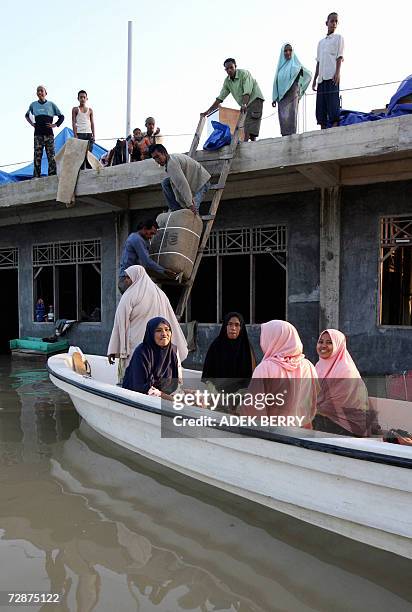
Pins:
x,y
221,158
217,186
207,217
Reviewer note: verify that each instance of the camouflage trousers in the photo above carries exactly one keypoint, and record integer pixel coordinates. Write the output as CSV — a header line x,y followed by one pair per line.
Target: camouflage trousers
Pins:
x,y
48,143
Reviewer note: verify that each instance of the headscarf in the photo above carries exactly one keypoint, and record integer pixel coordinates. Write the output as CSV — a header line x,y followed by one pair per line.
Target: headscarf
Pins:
x,y
142,301
343,396
283,358
287,73
152,365
229,359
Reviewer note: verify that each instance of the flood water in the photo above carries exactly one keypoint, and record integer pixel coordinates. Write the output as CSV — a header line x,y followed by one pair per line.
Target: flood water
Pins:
x,y
112,532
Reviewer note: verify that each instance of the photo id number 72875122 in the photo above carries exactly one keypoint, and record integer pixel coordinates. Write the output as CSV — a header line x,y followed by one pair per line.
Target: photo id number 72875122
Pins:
x,y
21,598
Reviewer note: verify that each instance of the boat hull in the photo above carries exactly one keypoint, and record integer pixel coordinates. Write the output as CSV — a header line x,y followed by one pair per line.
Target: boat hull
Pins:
x,y
365,500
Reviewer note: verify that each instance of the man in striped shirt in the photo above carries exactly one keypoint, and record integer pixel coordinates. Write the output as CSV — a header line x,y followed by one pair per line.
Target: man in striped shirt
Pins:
x,y
43,112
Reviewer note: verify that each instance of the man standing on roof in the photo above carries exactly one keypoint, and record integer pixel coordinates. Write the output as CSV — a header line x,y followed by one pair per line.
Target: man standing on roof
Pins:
x,y
246,92
329,59
43,112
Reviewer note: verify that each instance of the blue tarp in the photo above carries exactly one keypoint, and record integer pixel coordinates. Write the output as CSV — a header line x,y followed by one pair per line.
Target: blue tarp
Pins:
x,y
5,177
25,173
394,109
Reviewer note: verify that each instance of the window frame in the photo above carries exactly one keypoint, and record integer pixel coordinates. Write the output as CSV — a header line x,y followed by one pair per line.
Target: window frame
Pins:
x,y
213,249
381,219
81,258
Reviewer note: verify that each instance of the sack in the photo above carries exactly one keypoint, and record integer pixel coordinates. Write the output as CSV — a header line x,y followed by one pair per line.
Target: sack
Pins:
x,y
220,137
176,242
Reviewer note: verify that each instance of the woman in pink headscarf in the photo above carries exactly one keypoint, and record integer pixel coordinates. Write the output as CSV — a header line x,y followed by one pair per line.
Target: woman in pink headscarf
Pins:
x,y
343,399
284,368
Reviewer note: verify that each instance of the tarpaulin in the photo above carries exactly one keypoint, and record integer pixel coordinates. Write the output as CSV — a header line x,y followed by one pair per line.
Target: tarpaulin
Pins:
x,y
220,137
394,109
26,172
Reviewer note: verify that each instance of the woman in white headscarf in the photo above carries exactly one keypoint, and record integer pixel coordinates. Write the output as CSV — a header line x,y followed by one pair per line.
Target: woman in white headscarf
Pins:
x,y
142,301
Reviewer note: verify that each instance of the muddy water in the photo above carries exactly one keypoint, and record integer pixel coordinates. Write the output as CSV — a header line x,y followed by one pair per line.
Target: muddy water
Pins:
x,y
111,532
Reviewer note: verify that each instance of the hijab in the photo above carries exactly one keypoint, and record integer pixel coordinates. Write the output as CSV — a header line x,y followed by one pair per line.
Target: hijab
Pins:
x,y
283,358
230,359
287,72
153,365
343,396
142,301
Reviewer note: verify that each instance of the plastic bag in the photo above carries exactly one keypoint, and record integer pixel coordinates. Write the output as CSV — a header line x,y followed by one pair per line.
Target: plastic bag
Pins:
x,y
220,137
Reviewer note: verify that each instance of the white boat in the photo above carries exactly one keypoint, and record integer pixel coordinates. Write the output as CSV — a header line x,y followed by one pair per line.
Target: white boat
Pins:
x,y
359,488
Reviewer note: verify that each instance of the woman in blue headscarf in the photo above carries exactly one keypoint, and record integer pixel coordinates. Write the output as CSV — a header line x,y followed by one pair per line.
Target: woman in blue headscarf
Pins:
x,y
291,82
154,367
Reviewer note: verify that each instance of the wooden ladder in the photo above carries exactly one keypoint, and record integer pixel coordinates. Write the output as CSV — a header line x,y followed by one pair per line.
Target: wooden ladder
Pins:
x,y
217,196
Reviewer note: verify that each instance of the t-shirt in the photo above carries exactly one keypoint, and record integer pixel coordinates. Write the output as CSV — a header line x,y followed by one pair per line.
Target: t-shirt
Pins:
x,y
136,253
242,84
44,112
329,50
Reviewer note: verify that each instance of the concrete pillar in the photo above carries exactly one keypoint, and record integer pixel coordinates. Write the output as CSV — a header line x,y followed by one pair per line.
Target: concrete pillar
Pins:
x,y
122,232
330,204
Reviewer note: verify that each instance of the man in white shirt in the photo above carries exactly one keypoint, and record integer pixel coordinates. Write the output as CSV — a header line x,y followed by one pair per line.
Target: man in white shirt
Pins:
x,y
188,181
328,63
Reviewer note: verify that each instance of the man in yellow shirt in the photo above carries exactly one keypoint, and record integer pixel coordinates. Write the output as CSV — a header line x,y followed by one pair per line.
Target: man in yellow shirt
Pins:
x,y
246,92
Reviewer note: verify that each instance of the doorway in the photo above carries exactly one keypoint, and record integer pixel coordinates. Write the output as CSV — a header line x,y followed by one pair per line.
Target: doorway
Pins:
x,y
9,320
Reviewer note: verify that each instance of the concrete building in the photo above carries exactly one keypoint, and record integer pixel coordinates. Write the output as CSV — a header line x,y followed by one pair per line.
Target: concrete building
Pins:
x,y
315,228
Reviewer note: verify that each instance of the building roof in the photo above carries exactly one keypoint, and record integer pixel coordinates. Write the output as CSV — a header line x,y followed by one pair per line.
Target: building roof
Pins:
x,y
358,154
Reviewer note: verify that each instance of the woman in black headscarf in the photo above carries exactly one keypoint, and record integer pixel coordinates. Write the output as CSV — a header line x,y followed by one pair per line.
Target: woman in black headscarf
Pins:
x,y
154,367
230,360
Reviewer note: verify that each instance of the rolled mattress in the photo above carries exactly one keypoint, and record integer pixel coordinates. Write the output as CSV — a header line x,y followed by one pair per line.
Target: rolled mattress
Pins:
x,y
176,243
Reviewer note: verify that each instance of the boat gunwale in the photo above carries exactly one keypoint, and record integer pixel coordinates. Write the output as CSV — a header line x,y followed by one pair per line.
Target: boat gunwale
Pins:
x,y
342,451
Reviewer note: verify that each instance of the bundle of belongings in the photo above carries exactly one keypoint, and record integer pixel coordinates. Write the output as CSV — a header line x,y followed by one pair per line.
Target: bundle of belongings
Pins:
x,y
177,240
400,104
61,328
117,155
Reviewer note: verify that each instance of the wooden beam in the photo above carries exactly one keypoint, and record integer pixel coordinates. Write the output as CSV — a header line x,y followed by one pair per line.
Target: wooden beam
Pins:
x,y
115,200
329,251
248,187
321,175
377,172
18,216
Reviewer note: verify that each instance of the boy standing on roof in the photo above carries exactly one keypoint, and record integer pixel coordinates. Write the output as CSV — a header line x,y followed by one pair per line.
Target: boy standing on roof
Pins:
x,y
328,62
150,137
83,120
43,112
246,92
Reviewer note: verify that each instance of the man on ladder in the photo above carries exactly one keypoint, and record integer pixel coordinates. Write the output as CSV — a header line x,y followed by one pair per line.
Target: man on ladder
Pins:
x,y
217,193
187,181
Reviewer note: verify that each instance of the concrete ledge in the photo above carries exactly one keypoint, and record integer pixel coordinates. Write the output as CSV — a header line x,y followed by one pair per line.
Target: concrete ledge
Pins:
x,y
355,154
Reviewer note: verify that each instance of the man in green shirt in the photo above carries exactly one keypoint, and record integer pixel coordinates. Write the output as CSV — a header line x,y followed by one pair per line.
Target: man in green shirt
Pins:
x,y
246,92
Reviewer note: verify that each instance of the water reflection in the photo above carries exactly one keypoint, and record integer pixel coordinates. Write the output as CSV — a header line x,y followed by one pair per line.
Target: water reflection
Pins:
x,y
84,518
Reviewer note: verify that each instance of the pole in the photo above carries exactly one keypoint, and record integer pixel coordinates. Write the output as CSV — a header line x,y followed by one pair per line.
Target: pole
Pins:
x,y
129,76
